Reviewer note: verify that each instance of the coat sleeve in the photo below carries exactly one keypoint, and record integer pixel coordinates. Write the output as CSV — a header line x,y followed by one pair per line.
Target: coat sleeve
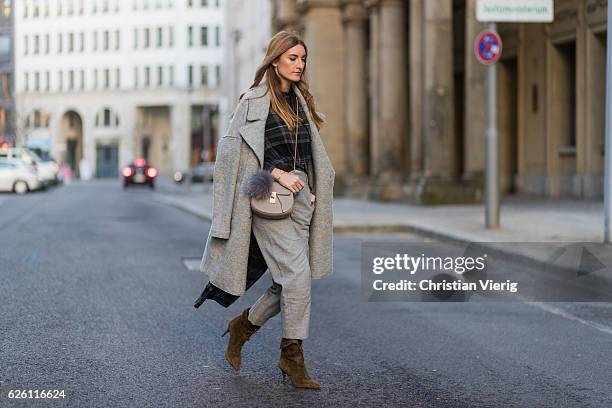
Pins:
x,y
226,173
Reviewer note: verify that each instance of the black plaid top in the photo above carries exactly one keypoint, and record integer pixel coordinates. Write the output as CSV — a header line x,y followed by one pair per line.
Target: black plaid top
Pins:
x,y
279,143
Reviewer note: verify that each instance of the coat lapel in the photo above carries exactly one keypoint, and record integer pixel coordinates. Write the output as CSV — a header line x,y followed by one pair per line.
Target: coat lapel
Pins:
x,y
257,113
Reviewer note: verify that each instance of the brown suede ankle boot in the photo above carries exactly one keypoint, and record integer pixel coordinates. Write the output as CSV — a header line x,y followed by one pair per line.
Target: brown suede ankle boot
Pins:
x,y
291,363
240,330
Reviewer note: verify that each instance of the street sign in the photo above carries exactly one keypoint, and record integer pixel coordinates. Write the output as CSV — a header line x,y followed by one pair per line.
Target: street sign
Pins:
x,y
515,11
488,47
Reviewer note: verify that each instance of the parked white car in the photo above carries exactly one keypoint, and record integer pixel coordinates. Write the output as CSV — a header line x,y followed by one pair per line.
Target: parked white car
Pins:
x,y
18,177
48,171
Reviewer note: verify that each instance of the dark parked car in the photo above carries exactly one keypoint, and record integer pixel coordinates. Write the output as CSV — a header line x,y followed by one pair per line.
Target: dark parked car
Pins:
x,y
139,172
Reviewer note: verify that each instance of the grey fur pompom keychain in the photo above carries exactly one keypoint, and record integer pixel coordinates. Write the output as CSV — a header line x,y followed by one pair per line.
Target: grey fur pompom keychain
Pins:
x,y
259,185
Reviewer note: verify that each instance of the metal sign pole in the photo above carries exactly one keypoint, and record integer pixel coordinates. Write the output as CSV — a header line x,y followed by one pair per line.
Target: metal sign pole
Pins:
x,y
492,149
608,152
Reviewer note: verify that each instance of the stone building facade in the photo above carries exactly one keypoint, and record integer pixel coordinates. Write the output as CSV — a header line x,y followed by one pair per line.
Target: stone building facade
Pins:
x,y
404,97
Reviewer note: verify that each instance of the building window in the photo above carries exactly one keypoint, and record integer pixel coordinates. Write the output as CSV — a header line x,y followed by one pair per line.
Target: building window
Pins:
x,y
82,79
158,4
189,4
95,40
94,7
134,5
95,79
135,77
71,79
107,118
190,36
218,75
25,45
190,76
47,81
160,76
159,36
59,7
60,41
36,44
70,42
204,75
81,41
25,10
117,78
26,81
105,6
204,3
116,6
46,12
60,81
147,78
117,39
35,13
170,36
171,75
70,10
204,36
217,36
81,7
47,42
217,3
36,81
106,78
146,5
147,39
105,40
135,38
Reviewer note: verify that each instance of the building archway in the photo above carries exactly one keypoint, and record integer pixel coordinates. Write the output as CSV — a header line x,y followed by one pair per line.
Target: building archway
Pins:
x,y
71,135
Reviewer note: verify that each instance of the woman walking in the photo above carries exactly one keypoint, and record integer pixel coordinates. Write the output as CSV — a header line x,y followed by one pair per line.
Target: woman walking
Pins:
x,y
273,135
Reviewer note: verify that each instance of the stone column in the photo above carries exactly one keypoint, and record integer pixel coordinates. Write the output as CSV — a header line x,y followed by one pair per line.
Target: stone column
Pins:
x,y
438,104
475,107
595,95
325,72
180,142
388,166
374,81
286,16
416,89
128,116
354,23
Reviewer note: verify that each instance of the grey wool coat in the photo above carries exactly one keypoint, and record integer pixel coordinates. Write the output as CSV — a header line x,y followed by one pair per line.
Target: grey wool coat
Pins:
x,y
240,154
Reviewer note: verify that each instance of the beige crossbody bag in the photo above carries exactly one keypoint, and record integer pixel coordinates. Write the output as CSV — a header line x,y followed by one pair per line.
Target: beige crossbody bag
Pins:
x,y
269,198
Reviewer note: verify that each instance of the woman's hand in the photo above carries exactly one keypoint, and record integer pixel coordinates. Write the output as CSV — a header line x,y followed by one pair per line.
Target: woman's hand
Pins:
x,y
311,199
291,181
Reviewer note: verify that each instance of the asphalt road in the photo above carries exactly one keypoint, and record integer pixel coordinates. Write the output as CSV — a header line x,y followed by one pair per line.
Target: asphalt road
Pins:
x,y
96,301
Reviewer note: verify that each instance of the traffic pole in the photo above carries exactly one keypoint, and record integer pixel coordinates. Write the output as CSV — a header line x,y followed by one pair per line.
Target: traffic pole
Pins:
x,y
608,152
492,148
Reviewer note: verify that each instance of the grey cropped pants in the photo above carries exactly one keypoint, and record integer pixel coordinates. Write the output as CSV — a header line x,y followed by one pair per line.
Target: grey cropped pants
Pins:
x,y
284,245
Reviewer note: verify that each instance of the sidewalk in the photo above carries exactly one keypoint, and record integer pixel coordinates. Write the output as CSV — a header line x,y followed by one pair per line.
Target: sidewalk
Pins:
x,y
523,220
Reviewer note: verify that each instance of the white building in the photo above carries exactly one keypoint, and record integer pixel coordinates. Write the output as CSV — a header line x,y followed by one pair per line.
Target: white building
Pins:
x,y
108,80
247,33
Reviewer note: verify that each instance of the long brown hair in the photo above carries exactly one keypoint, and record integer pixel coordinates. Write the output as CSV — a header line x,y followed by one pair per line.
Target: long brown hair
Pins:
x,y
279,44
